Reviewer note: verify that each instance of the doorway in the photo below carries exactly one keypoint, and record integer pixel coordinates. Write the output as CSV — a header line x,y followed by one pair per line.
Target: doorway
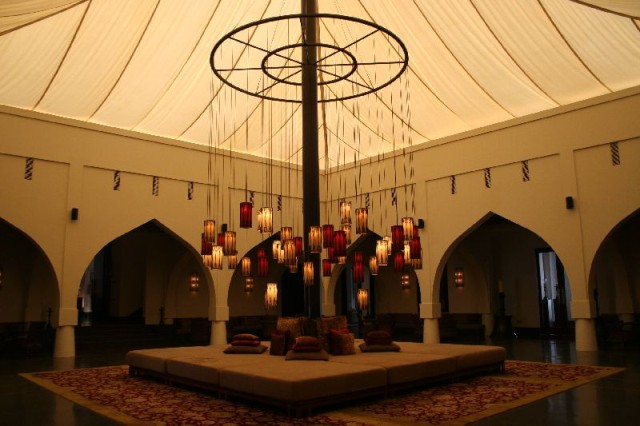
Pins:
x,y
553,294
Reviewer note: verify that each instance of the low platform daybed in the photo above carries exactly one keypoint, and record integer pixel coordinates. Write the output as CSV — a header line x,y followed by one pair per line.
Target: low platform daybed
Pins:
x,y
300,386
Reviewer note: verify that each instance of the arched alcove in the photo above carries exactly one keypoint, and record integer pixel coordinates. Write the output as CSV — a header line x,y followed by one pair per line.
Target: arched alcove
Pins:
x,y
509,273
143,276
614,278
28,293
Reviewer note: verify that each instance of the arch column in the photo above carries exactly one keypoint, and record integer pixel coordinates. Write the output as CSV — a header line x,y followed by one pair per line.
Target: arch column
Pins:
x,y
585,325
65,343
430,313
220,281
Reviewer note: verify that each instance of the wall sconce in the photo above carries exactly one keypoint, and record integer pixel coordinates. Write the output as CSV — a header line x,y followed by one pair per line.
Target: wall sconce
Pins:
x,y
458,278
194,282
271,296
405,282
248,285
363,299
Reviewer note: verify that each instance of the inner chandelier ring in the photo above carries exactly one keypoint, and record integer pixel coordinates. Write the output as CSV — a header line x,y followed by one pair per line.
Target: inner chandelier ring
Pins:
x,y
271,54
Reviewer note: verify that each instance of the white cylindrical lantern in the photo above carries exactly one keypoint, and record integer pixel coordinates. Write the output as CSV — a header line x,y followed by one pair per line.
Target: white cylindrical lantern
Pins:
x,y
217,256
315,239
246,266
308,273
362,220
232,260
210,231
407,228
363,299
229,246
373,265
347,232
265,220
382,254
275,248
286,233
271,296
345,212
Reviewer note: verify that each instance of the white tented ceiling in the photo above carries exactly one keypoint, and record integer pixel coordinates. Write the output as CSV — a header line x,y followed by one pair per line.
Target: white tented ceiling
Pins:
x,y
143,66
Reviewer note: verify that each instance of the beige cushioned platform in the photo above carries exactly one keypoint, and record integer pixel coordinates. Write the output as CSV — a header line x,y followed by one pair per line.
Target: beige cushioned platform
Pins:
x,y
156,359
468,357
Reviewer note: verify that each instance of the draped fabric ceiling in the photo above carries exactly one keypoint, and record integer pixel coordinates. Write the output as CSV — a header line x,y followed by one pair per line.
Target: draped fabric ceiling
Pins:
x,y
143,66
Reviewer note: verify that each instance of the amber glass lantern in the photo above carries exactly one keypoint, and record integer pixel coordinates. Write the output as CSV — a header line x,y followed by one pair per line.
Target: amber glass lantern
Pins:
x,y
315,239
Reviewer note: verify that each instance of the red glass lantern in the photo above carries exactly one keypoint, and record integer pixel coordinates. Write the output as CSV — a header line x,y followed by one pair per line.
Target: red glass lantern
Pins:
x,y
340,243
206,247
263,266
415,248
246,213
327,236
326,267
299,242
220,239
416,231
331,255
398,261
358,272
261,252
397,237
357,256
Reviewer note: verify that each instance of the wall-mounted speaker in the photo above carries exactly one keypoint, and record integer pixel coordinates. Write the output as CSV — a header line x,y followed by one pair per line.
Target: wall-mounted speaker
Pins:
x,y
420,223
74,213
223,228
568,201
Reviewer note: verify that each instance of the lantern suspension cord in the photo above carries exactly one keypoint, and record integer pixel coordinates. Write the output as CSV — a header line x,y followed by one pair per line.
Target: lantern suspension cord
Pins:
x,y
210,148
393,136
404,157
246,132
411,165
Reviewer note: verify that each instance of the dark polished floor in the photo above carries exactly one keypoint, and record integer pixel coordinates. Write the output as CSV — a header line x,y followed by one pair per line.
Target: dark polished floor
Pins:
x,y
614,400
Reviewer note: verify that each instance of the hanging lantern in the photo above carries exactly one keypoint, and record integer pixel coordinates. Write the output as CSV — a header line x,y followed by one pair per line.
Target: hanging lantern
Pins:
x,y
458,278
342,260
275,248
347,232
265,220
387,239
246,214
293,267
416,231
362,220
406,252
205,247
382,255
417,263
246,266
289,247
357,256
271,296
194,282
229,246
263,267
286,233
397,237
220,240
299,243
331,255
327,236
308,273
326,267
398,261
218,256
210,231
340,243
407,228
405,281
232,260
416,249
261,252
345,212
281,255
248,285
363,299
315,239
207,260
358,272
373,265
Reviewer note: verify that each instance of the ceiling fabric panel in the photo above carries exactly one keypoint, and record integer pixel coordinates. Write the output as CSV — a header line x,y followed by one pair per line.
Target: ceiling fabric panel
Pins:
x,y
630,8
29,57
534,43
18,13
608,44
143,65
484,58
100,52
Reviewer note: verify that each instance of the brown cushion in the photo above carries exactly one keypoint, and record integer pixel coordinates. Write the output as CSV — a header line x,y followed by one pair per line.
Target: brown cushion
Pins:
x,y
378,337
306,344
326,324
293,325
245,342
245,336
342,344
278,344
245,349
320,355
379,348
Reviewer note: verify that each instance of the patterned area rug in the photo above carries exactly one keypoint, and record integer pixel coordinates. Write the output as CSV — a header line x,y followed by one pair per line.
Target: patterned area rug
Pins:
x,y
111,392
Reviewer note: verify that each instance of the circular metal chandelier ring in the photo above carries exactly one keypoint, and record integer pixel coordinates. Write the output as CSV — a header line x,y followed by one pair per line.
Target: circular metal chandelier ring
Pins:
x,y
279,68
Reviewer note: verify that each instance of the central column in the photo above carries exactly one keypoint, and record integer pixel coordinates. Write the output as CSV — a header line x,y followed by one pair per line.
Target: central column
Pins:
x,y
310,160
